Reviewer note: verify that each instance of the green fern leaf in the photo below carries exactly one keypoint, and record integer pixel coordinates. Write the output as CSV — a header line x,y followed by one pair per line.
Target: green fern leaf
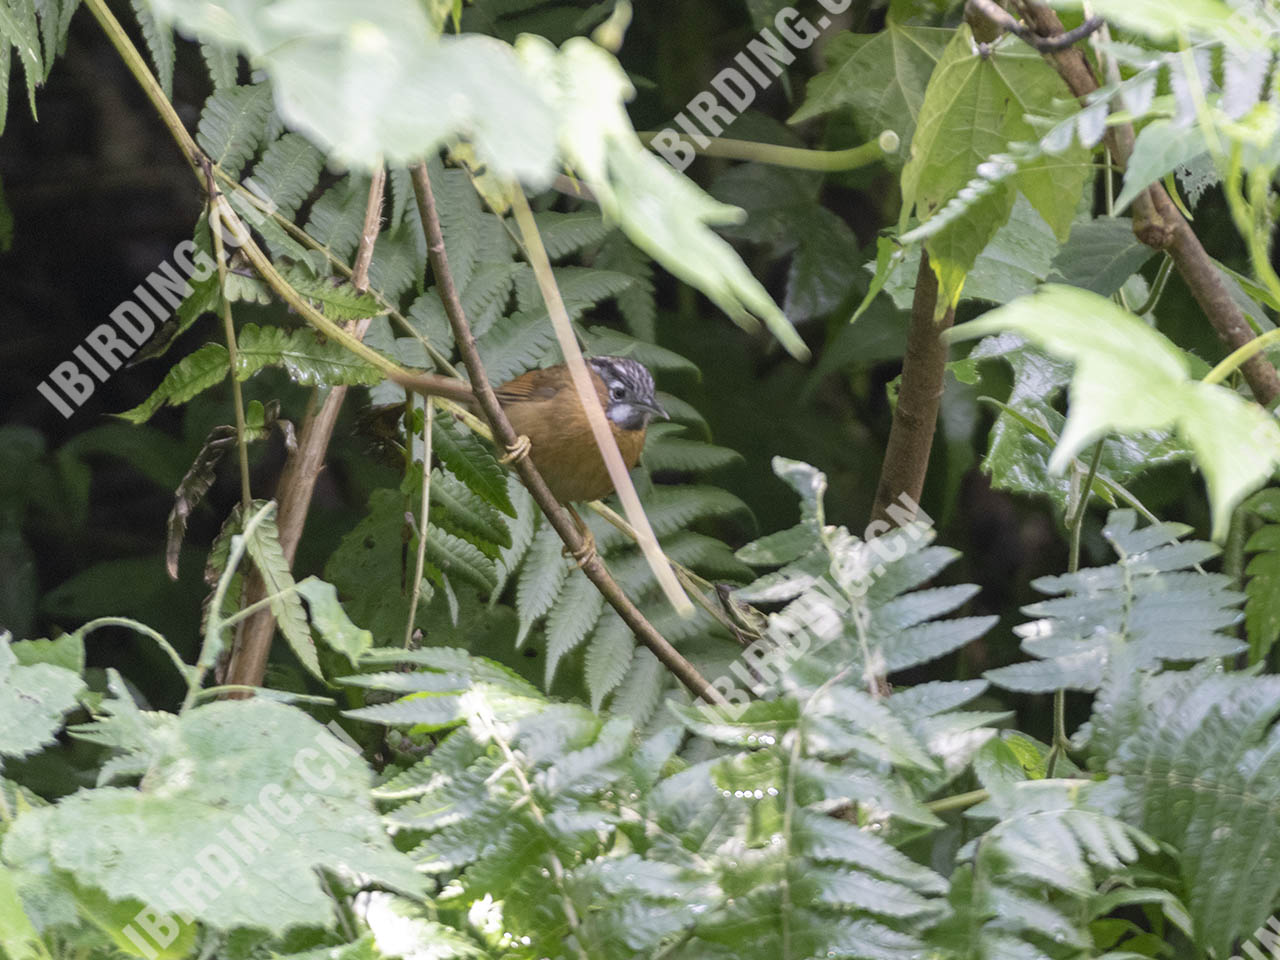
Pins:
x,y
521,533
397,262
223,64
304,357
19,27
609,654
1200,760
288,172
570,620
641,690
666,449
1161,610
337,217
516,343
541,579
468,458
337,300
263,547
159,37
455,557
6,59
233,125
1262,609
607,342
638,303
566,233
195,373
454,503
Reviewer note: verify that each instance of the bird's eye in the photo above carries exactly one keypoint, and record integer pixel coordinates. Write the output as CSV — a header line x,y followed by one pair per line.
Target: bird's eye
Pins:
x,y
617,392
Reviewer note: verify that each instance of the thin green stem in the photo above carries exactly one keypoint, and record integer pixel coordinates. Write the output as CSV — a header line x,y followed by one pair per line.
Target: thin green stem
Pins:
x,y
958,802
229,331
797,158
1077,518
1076,522
183,667
1238,357
213,630
428,420
1157,287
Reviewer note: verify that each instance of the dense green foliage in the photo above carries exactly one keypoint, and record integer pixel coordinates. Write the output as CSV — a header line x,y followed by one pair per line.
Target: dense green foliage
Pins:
x,y
470,754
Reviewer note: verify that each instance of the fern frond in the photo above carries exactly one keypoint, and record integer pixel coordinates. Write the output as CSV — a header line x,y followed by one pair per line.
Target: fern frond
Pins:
x,y
233,125
159,38
1162,610
287,173
302,354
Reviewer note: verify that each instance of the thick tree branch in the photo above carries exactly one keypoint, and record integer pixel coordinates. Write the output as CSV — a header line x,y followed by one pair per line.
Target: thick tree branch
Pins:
x,y
1157,221
505,434
906,457
248,664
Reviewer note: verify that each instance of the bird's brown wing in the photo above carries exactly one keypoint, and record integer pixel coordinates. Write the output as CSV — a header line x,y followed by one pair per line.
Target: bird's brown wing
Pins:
x,y
533,387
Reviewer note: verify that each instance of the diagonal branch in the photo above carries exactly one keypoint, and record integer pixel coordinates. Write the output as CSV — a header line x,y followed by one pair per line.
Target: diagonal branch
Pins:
x,y
505,434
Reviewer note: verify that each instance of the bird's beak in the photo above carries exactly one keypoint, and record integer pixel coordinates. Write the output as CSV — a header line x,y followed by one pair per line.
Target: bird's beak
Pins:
x,y
656,409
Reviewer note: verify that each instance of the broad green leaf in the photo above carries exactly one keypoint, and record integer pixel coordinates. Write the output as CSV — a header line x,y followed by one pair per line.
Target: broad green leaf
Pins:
x,y
1129,378
1100,255
331,621
1167,22
66,651
901,58
271,791
33,701
663,212
18,936
375,82
372,569
976,107
1160,148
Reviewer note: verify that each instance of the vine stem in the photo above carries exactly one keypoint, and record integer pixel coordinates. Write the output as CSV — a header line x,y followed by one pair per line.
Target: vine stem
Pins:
x,y
504,433
229,330
1076,522
797,158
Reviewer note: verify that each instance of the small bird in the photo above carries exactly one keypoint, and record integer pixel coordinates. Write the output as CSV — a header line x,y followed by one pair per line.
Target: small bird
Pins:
x,y
543,406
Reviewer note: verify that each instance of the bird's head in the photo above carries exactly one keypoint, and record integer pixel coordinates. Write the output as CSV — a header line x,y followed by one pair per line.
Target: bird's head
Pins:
x,y
629,387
